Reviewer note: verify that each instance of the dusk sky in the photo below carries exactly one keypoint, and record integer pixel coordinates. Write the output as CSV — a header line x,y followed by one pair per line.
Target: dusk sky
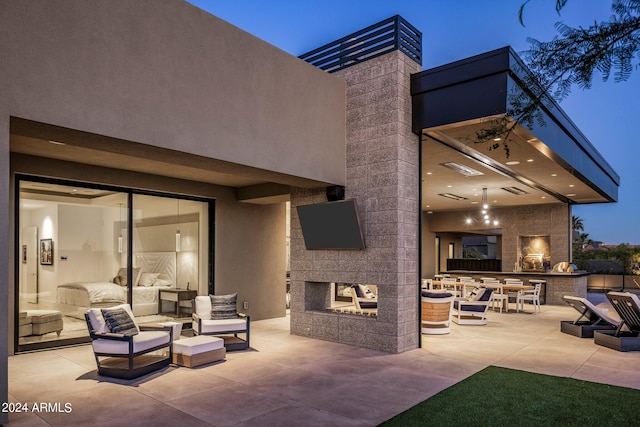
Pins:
x,y
456,29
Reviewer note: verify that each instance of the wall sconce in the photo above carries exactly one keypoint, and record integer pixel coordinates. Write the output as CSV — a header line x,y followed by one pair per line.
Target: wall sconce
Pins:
x,y
178,229
120,236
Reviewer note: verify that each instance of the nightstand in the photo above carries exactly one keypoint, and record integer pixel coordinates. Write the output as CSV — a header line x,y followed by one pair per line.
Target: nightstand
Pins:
x,y
175,295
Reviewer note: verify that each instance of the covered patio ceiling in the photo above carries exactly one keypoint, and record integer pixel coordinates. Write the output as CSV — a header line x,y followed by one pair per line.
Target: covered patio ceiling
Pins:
x,y
541,179
553,163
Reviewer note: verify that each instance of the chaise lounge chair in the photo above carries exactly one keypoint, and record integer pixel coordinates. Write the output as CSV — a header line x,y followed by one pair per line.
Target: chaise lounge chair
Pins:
x,y
628,307
473,310
591,319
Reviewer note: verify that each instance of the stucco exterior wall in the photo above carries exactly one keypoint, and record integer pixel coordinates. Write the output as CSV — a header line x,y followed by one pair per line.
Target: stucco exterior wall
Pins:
x,y
382,175
167,74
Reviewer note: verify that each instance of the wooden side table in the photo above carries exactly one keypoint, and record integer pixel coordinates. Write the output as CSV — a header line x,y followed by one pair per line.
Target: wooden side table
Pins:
x,y
175,295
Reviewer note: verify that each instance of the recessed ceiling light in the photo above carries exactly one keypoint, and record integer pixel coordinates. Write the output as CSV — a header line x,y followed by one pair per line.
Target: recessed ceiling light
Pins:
x,y
529,160
571,185
543,197
554,174
571,194
57,143
497,139
429,212
513,162
429,173
474,203
449,186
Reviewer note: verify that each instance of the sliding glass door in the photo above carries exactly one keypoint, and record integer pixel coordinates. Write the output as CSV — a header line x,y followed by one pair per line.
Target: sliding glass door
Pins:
x,y
74,246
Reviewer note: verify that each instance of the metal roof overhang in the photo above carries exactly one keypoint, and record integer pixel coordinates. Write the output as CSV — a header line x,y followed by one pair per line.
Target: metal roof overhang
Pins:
x,y
552,161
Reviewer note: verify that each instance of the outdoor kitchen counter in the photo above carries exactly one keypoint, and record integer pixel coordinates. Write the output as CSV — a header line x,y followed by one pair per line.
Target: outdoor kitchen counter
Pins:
x,y
557,284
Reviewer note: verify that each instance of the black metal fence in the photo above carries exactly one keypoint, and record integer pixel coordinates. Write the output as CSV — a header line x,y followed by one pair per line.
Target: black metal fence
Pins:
x,y
394,33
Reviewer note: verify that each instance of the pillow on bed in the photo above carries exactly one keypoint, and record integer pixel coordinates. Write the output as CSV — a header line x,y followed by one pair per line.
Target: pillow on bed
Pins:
x,y
119,321
224,306
147,279
121,277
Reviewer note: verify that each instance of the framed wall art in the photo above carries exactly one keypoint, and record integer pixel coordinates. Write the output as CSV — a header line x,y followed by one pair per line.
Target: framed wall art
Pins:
x,y
46,251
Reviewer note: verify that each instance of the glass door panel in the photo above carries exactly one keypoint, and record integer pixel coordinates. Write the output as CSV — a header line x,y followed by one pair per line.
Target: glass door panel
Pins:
x,y
169,240
69,259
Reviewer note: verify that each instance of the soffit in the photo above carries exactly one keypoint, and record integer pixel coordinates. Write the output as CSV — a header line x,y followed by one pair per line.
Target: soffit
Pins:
x,y
537,173
124,155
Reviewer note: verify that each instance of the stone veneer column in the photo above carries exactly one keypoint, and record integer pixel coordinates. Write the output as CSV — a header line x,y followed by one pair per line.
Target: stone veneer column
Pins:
x,y
382,167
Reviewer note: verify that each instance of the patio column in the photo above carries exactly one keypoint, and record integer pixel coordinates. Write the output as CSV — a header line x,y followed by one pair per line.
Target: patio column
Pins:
x,y
382,174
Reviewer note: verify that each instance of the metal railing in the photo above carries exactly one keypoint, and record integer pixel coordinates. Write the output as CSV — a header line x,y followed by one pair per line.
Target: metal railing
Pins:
x,y
394,33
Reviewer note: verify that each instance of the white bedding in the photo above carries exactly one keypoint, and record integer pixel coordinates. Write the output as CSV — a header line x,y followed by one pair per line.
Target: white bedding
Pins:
x,y
85,294
157,271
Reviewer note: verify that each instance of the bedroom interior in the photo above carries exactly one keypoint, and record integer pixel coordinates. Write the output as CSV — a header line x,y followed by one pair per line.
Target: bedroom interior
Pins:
x,y
83,263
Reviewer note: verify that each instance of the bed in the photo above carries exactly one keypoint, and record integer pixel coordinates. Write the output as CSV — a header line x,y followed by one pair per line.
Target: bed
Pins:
x,y
152,271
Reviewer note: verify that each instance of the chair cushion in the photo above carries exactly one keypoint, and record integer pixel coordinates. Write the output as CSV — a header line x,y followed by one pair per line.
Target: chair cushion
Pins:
x,y
368,304
358,291
476,294
197,345
97,320
222,325
460,306
141,342
203,307
224,306
486,295
428,294
119,321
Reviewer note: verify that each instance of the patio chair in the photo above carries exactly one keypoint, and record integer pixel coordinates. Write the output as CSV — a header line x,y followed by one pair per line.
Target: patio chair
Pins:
x,y
436,312
450,284
627,305
217,315
498,297
513,282
591,318
364,301
124,349
473,311
532,295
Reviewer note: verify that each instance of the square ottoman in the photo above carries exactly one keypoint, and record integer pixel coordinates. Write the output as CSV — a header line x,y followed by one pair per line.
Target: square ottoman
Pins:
x,y
24,328
198,350
45,321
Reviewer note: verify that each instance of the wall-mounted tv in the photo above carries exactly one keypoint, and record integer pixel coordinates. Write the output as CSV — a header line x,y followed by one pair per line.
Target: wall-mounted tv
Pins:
x,y
332,225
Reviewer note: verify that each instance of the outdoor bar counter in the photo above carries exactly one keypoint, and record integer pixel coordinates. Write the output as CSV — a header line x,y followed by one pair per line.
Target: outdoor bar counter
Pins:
x,y
557,284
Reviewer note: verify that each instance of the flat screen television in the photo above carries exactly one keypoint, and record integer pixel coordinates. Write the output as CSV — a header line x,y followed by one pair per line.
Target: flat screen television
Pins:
x,y
332,225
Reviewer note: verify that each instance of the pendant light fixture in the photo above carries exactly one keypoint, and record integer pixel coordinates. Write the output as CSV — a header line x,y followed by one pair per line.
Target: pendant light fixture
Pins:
x,y
178,229
484,212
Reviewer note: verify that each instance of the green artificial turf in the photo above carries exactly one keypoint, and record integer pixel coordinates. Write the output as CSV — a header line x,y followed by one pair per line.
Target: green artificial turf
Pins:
x,y
507,397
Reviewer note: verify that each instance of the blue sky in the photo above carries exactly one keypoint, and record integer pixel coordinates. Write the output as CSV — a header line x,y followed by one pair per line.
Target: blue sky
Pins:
x,y
455,29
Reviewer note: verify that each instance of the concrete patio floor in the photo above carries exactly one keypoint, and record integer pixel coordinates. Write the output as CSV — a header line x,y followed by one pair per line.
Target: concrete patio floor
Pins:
x,y
290,380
